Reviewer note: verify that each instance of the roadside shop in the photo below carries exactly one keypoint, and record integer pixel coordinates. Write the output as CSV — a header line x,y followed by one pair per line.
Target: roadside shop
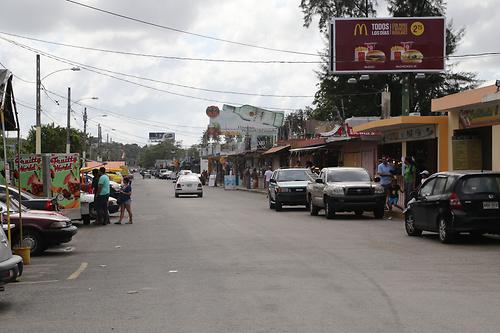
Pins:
x,y
474,128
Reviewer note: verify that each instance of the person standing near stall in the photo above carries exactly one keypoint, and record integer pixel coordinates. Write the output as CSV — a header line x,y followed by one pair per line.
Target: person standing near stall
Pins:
x,y
102,197
125,201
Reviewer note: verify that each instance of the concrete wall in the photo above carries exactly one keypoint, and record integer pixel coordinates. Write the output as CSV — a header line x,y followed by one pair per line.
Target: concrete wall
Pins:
x,y
495,147
452,125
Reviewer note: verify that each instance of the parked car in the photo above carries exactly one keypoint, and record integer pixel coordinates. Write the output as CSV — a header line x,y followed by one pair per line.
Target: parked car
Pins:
x,y
11,266
41,229
165,174
188,184
88,211
147,174
287,187
455,202
30,201
345,189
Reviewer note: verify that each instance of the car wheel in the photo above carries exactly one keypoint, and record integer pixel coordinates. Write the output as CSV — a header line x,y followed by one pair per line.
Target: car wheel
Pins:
x,y
271,204
379,212
329,209
410,228
358,212
278,206
200,195
313,210
86,219
33,239
446,236
176,195
307,205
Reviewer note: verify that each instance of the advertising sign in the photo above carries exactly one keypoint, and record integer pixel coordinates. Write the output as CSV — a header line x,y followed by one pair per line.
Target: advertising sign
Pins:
x,y
157,136
65,171
487,116
370,45
29,173
411,134
244,120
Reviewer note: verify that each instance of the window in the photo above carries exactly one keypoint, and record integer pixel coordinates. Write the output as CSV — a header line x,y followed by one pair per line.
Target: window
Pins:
x,y
426,190
440,186
481,184
450,183
294,175
348,175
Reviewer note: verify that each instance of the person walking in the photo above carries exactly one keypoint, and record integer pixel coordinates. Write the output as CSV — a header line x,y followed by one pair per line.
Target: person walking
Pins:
x,y
125,201
267,176
102,194
394,190
385,170
409,176
255,178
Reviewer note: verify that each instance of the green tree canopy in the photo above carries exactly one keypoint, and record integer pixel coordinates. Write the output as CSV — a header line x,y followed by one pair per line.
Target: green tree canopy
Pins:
x,y
54,139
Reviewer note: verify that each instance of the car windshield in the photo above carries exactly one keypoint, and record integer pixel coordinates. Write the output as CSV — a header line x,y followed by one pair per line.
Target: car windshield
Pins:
x,y
14,205
481,184
348,175
190,177
294,175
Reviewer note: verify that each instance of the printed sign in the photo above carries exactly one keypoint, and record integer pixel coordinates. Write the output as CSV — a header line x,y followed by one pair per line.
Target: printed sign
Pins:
x,y
245,120
29,174
65,171
387,44
487,116
411,134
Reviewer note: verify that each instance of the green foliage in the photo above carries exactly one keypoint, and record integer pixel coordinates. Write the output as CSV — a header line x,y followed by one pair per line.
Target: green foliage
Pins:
x,y
336,98
163,151
54,139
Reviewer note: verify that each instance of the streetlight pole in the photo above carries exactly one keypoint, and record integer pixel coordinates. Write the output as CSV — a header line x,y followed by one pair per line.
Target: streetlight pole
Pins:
x,y
84,153
68,137
38,130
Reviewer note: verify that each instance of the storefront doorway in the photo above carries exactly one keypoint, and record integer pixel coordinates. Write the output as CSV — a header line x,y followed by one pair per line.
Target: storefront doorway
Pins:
x,y
472,149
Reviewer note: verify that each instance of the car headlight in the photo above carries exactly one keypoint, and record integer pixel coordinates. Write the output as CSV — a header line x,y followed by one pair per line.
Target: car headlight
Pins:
x,y
337,190
379,190
58,225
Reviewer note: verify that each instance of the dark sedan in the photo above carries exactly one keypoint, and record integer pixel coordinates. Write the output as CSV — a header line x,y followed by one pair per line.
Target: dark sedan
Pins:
x,y
30,201
41,229
456,202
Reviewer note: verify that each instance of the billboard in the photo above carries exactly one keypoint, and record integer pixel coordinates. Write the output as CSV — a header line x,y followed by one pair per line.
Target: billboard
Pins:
x,y
65,174
244,120
371,45
161,136
29,174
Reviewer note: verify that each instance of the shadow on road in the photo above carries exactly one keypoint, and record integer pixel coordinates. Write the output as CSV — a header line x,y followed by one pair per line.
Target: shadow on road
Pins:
x,y
465,239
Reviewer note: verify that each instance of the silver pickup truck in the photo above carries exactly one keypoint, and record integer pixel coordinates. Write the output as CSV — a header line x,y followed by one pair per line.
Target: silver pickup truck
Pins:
x,y
344,190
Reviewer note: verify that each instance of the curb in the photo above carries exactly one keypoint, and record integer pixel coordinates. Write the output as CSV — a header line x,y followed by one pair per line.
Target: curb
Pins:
x,y
260,191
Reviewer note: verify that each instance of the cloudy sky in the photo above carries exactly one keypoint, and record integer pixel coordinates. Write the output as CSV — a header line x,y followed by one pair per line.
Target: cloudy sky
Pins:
x,y
171,95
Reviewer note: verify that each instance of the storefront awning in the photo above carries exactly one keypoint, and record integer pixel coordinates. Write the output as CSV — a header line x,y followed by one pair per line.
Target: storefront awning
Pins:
x,y
396,123
468,99
7,101
306,149
275,150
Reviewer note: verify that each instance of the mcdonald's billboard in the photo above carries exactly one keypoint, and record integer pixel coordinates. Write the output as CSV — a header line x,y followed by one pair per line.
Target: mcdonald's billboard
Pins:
x,y
371,45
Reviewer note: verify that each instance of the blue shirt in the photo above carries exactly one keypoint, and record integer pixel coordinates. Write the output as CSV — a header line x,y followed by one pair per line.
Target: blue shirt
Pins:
x,y
385,169
104,181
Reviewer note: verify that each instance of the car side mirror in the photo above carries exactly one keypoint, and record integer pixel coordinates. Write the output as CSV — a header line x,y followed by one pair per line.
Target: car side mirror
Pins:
x,y
319,180
272,181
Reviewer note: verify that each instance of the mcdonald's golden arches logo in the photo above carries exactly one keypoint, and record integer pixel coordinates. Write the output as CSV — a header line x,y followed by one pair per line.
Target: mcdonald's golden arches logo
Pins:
x,y
361,29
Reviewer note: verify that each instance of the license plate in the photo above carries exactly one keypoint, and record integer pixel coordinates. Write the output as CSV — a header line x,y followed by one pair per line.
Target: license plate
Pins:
x,y
299,190
490,204
189,185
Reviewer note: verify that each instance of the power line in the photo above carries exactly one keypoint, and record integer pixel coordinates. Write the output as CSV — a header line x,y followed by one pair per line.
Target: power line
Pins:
x,y
187,32
90,69
159,56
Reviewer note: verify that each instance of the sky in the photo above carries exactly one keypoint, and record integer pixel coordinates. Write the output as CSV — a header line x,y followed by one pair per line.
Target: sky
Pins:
x,y
152,99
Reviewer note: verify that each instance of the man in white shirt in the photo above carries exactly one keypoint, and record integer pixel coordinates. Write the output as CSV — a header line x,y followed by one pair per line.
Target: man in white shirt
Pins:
x,y
267,176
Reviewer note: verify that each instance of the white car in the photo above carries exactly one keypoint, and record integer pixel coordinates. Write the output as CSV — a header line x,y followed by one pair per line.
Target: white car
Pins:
x,y
164,174
188,184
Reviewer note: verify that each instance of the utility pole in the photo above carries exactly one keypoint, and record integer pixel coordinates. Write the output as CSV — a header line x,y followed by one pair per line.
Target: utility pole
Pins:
x,y
405,96
38,130
84,152
68,137
99,139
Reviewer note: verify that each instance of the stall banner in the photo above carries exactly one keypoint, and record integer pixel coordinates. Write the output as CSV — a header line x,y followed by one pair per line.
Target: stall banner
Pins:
x,y
371,45
28,170
64,172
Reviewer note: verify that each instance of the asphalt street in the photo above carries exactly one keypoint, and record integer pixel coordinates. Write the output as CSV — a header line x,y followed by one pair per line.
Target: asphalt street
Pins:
x,y
226,263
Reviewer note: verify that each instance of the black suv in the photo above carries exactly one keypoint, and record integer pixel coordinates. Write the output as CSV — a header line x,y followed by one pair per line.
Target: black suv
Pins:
x,y
450,203
288,187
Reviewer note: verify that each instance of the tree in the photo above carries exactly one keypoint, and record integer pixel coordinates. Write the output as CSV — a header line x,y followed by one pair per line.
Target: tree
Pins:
x,y
294,124
54,139
163,151
336,98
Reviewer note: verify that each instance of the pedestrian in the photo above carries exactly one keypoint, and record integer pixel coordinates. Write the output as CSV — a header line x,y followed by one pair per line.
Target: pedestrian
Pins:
x,y
409,175
267,176
384,171
424,175
246,178
102,194
125,201
95,180
255,178
394,191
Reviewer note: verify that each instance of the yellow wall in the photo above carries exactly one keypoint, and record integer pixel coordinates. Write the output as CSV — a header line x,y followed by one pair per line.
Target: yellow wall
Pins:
x,y
444,146
452,125
495,147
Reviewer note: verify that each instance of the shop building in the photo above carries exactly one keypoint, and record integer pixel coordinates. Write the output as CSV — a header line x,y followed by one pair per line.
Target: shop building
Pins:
x,y
423,138
474,128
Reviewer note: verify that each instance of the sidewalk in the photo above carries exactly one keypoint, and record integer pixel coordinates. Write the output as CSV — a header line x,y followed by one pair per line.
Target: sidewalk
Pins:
x,y
255,190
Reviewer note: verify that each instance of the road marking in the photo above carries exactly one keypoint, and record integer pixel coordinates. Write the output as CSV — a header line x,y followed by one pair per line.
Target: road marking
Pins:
x,y
33,282
79,271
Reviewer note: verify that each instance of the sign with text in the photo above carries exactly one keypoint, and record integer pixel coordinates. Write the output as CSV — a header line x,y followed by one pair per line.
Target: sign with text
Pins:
x,y
371,45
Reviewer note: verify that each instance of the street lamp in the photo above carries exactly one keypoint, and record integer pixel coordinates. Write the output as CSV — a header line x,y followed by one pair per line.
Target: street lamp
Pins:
x,y
38,128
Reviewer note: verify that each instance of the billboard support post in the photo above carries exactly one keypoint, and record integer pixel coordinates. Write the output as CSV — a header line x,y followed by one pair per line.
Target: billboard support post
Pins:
x,y
405,95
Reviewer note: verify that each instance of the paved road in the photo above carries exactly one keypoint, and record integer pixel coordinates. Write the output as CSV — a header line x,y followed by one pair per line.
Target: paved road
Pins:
x,y
226,263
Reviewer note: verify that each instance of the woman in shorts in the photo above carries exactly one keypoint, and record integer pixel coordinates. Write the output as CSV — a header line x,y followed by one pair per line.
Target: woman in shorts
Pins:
x,y
125,201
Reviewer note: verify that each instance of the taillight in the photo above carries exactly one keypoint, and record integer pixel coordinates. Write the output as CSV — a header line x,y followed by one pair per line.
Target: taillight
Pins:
x,y
455,202
49,205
